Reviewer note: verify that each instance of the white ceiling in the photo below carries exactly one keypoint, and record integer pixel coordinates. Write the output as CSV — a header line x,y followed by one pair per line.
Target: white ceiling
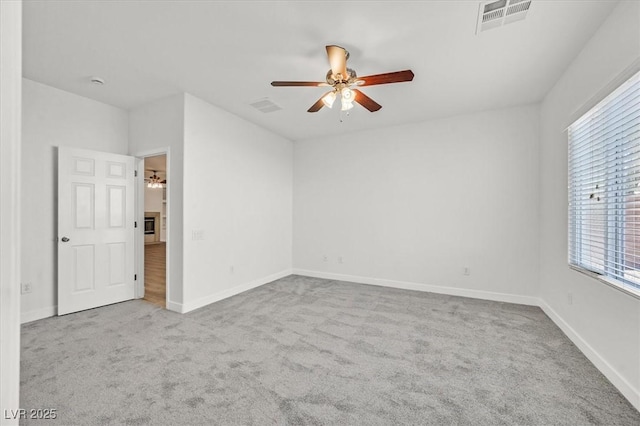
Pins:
x,y
157,163
227,53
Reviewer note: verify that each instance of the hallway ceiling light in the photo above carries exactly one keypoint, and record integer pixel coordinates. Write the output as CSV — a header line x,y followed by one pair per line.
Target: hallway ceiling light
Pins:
x,y
155,181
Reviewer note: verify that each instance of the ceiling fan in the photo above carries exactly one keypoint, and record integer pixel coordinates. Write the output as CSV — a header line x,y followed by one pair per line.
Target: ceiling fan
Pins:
x,y
341,79
155,181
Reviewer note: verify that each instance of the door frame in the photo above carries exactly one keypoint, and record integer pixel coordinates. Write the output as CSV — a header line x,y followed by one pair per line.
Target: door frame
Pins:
x,y
10,142
139,239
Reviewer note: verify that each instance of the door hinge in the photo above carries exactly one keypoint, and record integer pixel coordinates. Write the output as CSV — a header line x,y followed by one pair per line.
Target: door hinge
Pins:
x,y
135,224
135,277
135,173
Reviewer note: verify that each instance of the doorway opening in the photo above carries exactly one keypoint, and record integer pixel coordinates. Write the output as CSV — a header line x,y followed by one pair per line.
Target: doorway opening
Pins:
x,y
155,229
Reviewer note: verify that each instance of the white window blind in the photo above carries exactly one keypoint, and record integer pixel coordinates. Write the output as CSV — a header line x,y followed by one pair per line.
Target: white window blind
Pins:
x,y
604,188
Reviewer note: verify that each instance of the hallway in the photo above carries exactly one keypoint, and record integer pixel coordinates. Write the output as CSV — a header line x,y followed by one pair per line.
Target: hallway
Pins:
x,y
155,255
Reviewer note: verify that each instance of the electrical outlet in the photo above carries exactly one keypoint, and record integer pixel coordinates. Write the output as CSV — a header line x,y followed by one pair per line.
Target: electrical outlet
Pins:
x,y
232,269
340,259
197,234
25,288
569,298
325,258
466,270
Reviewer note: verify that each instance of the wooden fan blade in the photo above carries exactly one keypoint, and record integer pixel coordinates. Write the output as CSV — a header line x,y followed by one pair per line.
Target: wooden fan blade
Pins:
x,y
366,101
386,78
338,61
297,83
319,104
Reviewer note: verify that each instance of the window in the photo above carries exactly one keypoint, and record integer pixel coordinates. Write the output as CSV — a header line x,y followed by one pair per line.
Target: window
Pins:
x,y
604,188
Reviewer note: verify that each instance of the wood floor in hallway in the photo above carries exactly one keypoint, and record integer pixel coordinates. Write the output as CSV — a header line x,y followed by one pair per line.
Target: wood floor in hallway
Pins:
x,y
155,285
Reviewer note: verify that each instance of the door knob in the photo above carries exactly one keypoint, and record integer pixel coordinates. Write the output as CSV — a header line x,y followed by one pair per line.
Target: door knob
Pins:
x,y
65,239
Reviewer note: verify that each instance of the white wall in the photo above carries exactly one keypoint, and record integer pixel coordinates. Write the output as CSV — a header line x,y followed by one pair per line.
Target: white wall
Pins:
x,y
412,205
153,127
10,112
603,322
152,200
53,118
238,191
243,207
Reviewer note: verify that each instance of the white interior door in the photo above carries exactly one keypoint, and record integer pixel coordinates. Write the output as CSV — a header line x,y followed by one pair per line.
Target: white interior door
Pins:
x,y
95,229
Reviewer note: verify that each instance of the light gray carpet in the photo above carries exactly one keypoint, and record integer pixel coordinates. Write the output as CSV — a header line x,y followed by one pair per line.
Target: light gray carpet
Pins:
x,y
311,351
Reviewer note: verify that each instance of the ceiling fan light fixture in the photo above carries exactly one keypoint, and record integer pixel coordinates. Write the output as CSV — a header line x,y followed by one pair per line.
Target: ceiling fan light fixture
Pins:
x,y
329,99
340,78
346,105
347,97
347,94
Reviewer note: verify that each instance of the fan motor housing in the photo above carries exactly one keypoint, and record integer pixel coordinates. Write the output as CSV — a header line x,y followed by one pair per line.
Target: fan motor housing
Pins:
x,y
333,82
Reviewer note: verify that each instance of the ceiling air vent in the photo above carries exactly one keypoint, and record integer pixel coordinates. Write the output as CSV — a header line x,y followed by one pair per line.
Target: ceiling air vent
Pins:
x,y
265,105
493,14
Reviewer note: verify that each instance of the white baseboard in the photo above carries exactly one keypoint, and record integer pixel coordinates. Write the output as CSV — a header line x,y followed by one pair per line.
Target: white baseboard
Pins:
x,y
38,314
406,285
625,388
175,307
181,308
207,300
